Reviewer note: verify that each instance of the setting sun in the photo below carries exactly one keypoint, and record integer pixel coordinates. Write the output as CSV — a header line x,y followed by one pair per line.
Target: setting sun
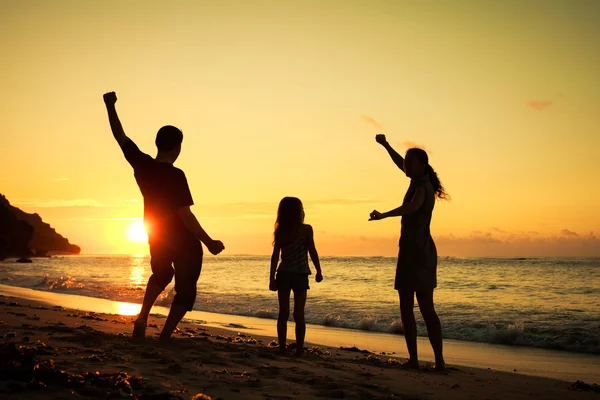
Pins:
x,y
136,232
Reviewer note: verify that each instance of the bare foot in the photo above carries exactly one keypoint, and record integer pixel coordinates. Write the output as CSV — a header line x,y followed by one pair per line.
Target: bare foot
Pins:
x,y
139,329
439,366
299,352
283,351
164,340
410,364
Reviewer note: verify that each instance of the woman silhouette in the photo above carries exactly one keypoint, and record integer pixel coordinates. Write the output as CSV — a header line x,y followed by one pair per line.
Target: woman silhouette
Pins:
x,y
417,257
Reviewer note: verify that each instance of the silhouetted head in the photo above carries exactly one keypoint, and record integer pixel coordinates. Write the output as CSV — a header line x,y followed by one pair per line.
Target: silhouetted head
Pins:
x,y
168,141
290,216
416,165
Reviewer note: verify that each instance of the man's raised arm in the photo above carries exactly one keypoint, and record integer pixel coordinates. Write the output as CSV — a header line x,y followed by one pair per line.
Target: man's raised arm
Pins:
x,y
110,99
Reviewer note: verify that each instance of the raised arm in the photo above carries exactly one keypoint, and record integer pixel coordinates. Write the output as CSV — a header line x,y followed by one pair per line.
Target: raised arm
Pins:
x,y
397,158
405,209
110,99
191,223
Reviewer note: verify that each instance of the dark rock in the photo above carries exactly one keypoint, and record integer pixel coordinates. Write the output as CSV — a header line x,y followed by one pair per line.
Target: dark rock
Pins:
x,y
20,231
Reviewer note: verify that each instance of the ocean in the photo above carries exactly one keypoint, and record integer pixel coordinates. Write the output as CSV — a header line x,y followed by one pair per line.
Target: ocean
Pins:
x,y
551,303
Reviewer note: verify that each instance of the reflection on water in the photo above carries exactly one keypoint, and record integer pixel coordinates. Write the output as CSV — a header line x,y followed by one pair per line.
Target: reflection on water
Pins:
x,y
136,275
127,308
137,271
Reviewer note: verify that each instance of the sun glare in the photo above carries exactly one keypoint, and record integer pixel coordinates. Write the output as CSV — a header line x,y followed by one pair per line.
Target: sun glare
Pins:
x,y
127,308
136,232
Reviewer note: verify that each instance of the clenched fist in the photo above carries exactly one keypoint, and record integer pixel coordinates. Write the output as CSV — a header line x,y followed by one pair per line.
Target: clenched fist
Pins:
x,y
110,98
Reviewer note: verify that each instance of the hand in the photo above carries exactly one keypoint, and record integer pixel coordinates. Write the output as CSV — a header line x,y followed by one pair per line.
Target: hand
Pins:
x,y
215,247
376,215
380,138
273,285
110,98
319,277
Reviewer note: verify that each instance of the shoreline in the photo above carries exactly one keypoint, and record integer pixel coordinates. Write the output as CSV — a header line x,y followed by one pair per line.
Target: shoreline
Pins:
x,y
523,360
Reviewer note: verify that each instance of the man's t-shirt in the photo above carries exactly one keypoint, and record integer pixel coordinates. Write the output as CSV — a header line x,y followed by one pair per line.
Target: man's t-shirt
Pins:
x,y
165,190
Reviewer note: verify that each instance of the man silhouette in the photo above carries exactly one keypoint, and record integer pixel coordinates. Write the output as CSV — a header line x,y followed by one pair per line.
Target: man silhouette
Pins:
x,y
174,233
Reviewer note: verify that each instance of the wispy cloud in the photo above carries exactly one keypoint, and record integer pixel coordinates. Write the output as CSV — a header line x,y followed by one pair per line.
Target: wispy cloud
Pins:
x,y
57,203
565,243
476,244
371,121
539,105
566,232
96,219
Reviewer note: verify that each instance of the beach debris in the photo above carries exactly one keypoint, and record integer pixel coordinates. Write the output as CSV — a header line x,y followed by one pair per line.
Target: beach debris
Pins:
x,y
220,371
92,316
273,343
316,351
202,396
19,363
581,386
93,358
238,326
11,335
354,348
19,314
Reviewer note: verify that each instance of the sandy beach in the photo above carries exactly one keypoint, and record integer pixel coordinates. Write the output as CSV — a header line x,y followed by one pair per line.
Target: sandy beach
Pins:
x,y
53,352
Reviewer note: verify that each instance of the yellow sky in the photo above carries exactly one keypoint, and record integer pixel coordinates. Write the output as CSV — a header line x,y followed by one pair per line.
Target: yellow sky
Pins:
x,y
271,98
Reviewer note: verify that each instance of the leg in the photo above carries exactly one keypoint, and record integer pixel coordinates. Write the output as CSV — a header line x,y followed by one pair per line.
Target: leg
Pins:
x,y
162,274
187,272
407,303
152,292
283,293
299,303
176,314
434,327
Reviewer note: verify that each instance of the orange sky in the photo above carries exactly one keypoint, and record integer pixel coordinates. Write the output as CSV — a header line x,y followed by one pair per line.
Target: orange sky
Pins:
x,y
277,99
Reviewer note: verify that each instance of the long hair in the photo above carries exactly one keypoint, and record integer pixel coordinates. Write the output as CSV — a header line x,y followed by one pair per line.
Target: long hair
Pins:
x,y
289,218
438,190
